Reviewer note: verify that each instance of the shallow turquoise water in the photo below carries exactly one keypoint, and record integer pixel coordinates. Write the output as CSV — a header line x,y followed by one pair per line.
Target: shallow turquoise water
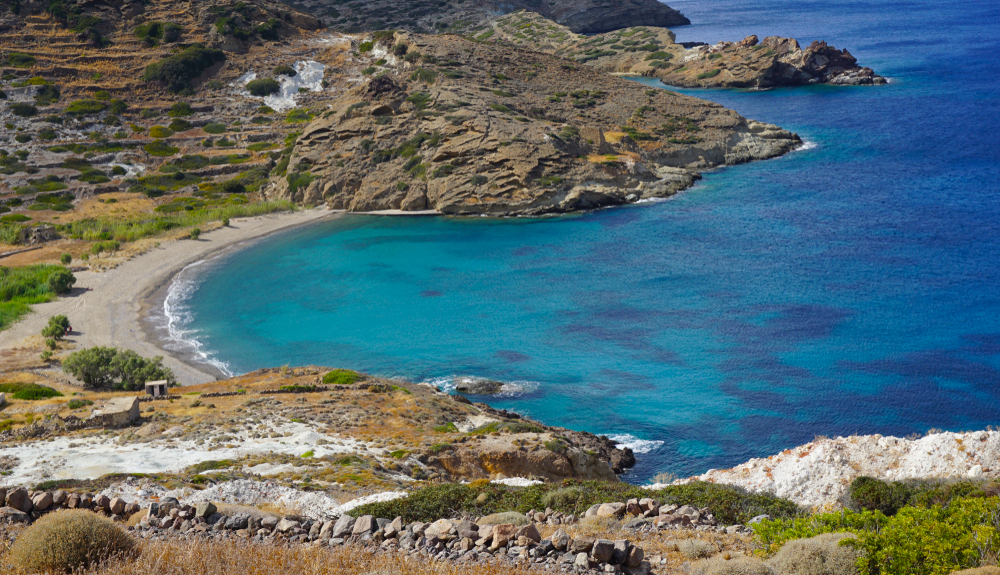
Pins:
x,y
849,287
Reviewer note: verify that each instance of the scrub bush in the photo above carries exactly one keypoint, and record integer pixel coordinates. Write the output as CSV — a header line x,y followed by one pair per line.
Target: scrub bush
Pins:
x,y
719,565
696,549
825,554
263,87
180,70
56,328
868,493
99,367
70,540
341,377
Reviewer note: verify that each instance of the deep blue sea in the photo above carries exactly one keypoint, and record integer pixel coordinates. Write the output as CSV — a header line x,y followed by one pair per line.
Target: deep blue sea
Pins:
x,y
851,287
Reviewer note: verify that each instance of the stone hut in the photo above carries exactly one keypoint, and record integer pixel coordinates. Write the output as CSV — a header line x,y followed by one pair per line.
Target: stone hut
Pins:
x,y
117,412
156,388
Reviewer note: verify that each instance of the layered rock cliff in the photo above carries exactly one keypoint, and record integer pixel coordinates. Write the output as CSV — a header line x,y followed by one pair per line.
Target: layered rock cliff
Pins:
x,y
470,128
653,52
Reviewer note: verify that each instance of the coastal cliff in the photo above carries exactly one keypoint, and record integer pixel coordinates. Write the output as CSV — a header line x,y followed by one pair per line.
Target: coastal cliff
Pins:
x,y
653,52
467,128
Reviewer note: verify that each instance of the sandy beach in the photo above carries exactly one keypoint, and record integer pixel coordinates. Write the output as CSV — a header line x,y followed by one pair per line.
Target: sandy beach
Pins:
x,y
105,308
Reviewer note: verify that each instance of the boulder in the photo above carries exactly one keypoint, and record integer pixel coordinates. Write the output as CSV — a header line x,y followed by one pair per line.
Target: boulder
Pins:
x,y
633,508
19,499
643,568
529,532
58,498
3,496
364,525
592,511
581,544
325,529
439,528
602,550
241,521
622,547
394,528
611,510
116,506
634,557
268,523
132,508
582,561
502,535
560,540
86,501
205,508
12,515
648,504
343,527
73,501
42,501
686,510
102,502
285,525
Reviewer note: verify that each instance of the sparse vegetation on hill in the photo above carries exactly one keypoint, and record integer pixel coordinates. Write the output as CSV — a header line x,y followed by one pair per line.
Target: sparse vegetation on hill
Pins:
x,y
22,287
728,504
178,72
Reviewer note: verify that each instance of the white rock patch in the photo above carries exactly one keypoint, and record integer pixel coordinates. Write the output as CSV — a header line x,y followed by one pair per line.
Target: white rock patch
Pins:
x,y
816,474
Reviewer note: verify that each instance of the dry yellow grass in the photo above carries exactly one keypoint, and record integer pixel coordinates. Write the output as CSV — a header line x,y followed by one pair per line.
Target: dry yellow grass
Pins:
x,y
241,558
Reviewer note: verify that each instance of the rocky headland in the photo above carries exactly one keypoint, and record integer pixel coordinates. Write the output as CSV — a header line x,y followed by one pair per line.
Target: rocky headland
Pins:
x,y
653,52
471,128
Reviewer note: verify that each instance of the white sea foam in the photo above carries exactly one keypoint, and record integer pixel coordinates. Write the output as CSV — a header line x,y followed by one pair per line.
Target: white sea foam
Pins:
x,y
177,316
634,443
807,145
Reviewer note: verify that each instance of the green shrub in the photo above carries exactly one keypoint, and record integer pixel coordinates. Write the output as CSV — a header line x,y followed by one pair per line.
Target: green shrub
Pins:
x,y
824,554
20,60
446,428
85,107
70,540
729,504
915,541
263,87
47,94
709,74
78,403
57,326
868,493
214,128
65,259
160,148
179,126
180,110
298,115
285,71
61,281
23,110
35,393
564,498
195,234
100,367
180,70
366,47
341,377
160,132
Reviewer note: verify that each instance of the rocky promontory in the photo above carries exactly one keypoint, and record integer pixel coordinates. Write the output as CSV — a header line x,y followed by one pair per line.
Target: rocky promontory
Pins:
x,y
653,52
472,128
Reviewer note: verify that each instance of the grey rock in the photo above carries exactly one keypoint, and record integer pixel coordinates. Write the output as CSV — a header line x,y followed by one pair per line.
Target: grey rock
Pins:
x,y
205,509
58,497
238,521
102,502
41,501
116,506
19,499
592,511
643,568
602,550
581,561
286,525
12,515
620,553
365,525
343,527
581,544
634,557
326,529
560,540
759,519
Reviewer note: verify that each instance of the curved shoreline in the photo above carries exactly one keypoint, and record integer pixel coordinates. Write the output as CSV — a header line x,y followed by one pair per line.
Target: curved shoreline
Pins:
x,y
107,308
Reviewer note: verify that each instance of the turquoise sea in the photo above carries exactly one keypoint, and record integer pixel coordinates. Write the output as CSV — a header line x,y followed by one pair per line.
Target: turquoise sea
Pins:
x,y
850,287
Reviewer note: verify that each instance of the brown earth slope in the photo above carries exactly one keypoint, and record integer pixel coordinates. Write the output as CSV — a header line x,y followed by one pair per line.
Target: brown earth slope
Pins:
x,y
472,16
471,128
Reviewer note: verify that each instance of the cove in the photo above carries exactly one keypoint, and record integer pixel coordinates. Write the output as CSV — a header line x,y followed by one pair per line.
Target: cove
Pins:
x,y
850,287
